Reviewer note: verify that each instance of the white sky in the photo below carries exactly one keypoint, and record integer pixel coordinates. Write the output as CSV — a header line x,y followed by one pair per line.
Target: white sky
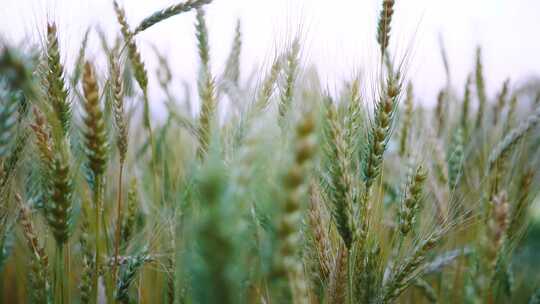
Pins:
x,y
338,35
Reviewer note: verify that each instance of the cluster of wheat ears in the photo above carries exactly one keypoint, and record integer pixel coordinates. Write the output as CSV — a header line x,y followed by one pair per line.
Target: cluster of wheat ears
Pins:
x,y
289,194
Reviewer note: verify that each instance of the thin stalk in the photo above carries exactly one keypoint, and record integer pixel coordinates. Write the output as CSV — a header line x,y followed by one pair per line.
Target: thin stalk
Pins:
x,y
148,126
98,207
118,221
350,269
67,275
59,279
107,277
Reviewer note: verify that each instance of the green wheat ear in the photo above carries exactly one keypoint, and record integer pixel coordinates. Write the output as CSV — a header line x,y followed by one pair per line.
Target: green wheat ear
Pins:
x,y
407,120
510,140
169,12
480,88
206,85
411,200
128,274
16,70
59,210
466,106
9,104
380,131
232,67
291,75
57,92
455,158
501,101
341,190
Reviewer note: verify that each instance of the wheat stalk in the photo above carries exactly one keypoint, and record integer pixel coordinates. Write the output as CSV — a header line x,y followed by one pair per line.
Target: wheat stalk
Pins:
x,y
337,287
122,144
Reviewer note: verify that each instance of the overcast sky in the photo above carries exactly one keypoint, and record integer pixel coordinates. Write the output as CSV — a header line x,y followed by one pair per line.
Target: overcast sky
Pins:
x,y
338,36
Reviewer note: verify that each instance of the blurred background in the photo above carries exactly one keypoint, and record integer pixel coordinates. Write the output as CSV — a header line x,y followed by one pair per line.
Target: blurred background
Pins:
x,y
338,36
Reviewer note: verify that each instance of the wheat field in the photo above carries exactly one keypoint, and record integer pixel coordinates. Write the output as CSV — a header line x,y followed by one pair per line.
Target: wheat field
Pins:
x,y
277,190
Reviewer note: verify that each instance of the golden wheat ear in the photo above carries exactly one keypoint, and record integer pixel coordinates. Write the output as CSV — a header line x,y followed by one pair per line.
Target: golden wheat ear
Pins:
x,y
95,132
384,25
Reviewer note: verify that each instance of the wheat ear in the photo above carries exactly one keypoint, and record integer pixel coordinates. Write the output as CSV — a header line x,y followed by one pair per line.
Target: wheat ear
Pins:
x,y
480,88
169,12
39,261
510,140
57,92
383,28
291,74
206,86
340,183
407,120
